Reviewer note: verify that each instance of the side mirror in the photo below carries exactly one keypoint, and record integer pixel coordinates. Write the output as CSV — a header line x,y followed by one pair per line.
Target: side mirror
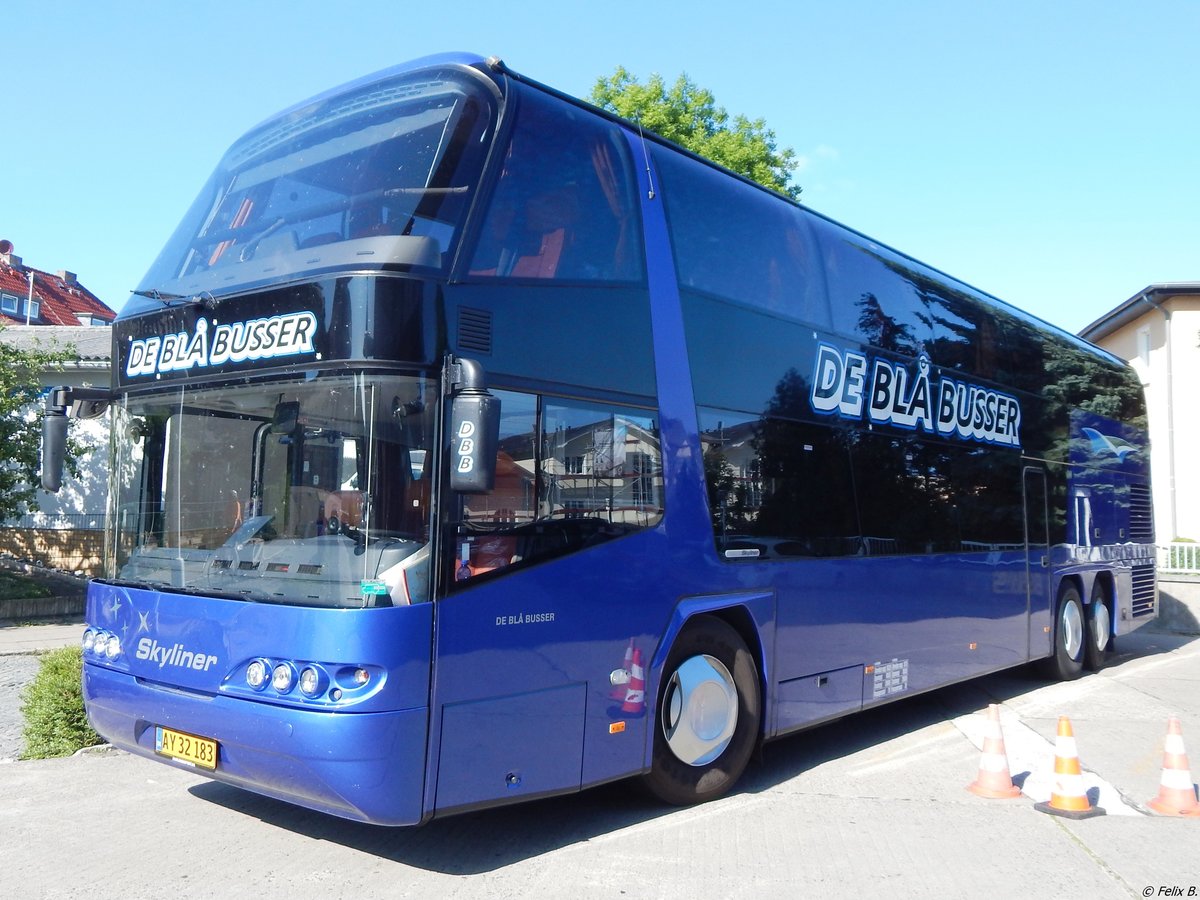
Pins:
x,y
63,403
474,431
286,418
54,438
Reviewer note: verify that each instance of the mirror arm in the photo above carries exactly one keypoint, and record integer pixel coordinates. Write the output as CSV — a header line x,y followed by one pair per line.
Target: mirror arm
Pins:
x,y
62,404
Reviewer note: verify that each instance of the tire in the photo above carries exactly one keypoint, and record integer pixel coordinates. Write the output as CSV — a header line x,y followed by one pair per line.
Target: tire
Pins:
x,y
708,715
1070,636
1099,629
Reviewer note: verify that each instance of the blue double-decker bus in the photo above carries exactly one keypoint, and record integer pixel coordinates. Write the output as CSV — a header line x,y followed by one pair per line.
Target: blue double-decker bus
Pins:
x,y
471,446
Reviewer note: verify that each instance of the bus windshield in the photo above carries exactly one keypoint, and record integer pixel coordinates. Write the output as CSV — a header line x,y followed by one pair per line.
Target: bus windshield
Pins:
x,y
312,492
375,177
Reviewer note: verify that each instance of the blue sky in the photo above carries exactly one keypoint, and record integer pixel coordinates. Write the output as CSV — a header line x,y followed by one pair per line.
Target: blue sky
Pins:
x,y
1047,152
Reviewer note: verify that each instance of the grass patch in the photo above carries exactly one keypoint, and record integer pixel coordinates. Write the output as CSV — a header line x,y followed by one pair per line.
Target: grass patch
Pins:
x,y
52,705
18,587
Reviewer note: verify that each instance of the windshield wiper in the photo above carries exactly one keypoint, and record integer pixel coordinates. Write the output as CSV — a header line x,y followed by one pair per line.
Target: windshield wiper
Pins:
x,y
205,299
161,296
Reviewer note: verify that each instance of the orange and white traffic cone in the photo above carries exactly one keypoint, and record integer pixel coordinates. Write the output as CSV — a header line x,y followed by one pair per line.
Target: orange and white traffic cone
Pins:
x,y
618,690
1068,798
635,696
1176,792
994,780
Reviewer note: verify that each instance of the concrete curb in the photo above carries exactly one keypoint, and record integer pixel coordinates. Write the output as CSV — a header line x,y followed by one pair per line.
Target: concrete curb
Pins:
x,y
18,640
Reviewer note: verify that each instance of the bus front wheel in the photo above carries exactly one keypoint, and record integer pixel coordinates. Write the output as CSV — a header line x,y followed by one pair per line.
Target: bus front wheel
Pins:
x,y
1070,636
708,714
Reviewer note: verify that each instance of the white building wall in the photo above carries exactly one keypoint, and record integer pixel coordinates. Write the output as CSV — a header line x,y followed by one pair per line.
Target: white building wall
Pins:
x,y
1185,416
1166,355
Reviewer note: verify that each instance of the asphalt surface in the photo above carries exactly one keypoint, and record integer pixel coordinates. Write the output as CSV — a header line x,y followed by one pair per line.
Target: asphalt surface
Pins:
x,y
15,673
873,805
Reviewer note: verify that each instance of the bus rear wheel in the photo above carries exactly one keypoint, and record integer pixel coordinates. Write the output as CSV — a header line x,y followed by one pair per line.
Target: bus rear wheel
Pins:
x,y
1070,636
1099,629
709,710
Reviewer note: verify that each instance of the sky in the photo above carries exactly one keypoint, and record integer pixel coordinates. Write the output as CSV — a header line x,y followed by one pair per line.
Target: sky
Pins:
x,y
1045,152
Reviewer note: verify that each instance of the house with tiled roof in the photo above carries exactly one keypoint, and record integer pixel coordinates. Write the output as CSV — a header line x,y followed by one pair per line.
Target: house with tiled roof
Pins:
x,y
29,296
40,310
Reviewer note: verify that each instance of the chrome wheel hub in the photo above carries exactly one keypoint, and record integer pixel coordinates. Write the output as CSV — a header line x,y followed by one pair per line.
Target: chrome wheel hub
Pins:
x,y
1101,624
1072,629
700,710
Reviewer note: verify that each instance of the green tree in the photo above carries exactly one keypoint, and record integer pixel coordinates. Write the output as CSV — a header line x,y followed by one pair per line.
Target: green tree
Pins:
x,y
688,115
21,424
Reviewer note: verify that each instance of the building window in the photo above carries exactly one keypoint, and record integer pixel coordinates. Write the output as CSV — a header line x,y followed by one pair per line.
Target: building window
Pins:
x,y
1143,345
13,305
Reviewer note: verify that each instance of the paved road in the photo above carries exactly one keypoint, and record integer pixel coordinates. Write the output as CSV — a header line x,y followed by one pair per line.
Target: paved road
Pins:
x,y
15,673
873,805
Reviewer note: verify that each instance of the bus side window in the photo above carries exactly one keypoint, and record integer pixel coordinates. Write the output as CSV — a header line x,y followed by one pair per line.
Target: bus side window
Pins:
x,y
564,207
569,475
739,242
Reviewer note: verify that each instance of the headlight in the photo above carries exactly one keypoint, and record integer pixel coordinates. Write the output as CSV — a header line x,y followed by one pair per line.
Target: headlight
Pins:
x,y
256,674
89,641
112,646
310,681
281,678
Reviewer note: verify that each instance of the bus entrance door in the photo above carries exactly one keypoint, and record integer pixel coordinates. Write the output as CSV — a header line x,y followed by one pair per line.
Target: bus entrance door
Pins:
x,y
1037,559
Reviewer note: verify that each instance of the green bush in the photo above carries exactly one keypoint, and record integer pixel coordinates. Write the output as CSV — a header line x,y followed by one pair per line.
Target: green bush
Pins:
x,y
18,587
55,724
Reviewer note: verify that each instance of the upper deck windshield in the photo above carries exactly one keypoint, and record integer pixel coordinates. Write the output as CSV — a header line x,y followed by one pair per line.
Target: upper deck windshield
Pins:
x,y
310,492
377,177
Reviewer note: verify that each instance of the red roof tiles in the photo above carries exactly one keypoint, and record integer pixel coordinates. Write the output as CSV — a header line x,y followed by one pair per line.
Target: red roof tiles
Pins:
x,y
60,298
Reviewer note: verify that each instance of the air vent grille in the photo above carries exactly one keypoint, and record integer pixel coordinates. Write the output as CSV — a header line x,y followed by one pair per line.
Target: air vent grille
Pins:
x,y
1141,519
475,330
1143,591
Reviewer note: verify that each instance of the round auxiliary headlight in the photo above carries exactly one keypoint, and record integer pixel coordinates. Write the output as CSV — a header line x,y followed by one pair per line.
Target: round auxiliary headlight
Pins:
x,y
310,681
89,641
256,674
361,677
112,646
281,678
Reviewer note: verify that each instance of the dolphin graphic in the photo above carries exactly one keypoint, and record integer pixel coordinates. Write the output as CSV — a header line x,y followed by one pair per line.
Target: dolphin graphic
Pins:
x,y
1103,444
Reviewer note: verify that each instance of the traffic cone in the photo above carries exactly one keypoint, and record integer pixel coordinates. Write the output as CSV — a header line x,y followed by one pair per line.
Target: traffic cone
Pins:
x,y
994,780
1068,799
618,690
635,697
1176,792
